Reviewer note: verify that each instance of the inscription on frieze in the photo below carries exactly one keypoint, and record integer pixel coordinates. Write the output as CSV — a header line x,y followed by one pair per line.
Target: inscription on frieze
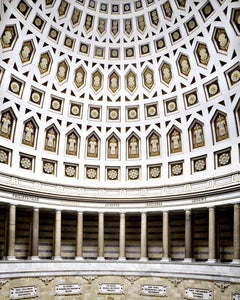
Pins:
x,y
110,288
235,296
68,289
154,290
24,292
198,294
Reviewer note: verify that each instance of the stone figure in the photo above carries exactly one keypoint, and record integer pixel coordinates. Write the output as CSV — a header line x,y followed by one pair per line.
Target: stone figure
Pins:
x,y
154,148
51,139
6,125
175,141
133,149
221,128
72,144
113,148
197,136
28,134
92,150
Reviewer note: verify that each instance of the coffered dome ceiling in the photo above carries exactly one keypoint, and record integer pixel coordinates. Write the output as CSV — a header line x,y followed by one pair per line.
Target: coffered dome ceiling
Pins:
x,y
117,94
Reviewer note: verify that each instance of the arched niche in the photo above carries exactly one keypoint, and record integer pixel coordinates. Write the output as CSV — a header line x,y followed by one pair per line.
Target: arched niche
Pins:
x,y
30,131
7,124
51,139
72,143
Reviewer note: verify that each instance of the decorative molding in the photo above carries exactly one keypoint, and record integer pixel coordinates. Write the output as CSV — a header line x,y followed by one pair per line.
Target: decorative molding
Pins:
x,y
132,279
3,282
175,281
222,285
89,279
46,280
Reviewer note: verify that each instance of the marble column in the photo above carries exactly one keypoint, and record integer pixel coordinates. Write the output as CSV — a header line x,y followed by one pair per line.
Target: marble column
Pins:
x,y
79,239
188,236
143,255
35,234
57,237
11,232
165,254
236,234
122,237
211,236
100,236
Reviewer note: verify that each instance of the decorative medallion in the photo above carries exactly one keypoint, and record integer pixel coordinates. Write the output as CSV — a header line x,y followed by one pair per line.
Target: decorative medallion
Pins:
x,y
224,159
133,174
48,167
91,173
200,165
26,163
112,174
70,171
176,169
3,156
154,172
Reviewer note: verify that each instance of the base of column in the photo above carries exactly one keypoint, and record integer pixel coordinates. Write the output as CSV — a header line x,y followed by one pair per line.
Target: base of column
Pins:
x,y
33,258
57,258
211,260
122,258
235,261
79,258
165,259
100,258
188,260
11,258
143,259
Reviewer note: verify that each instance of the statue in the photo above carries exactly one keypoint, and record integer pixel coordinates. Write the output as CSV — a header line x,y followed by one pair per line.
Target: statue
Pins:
x,y
113,148
28,134
72,144
154,145
197,136
175,140
221,128
6,125
50,142
133,149
92,150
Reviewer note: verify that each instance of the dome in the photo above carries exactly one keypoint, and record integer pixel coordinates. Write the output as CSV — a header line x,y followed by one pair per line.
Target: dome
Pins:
x,y
119,98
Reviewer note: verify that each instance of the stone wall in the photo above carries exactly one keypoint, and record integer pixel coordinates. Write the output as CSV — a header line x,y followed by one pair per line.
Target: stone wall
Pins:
x,y
117,288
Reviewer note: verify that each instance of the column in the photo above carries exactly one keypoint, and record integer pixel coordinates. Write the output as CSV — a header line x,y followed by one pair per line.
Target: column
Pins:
x,y
11,232
57,237
236,234
143,255
188,236
211,236
165,255
79,240
122,237
100,236
35,234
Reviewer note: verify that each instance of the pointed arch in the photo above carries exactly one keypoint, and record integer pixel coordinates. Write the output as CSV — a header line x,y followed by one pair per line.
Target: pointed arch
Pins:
x,y
30,131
